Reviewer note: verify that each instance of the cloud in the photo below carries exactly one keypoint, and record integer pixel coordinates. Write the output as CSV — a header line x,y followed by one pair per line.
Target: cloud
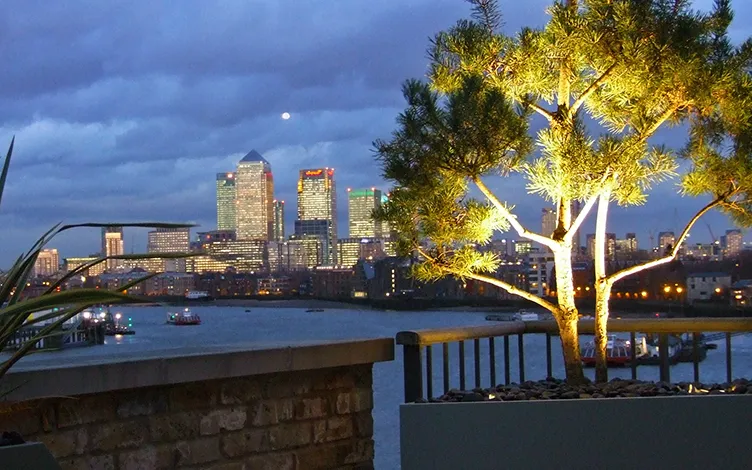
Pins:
x,y
126,109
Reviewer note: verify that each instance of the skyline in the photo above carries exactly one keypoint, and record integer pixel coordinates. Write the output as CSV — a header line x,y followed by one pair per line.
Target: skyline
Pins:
x,y
127,112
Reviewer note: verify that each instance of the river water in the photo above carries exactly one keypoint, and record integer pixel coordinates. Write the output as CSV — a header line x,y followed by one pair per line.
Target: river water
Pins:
x,y
228,325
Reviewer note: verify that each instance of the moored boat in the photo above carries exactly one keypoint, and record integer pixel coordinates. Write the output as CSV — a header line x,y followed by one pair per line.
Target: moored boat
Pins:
x,y
520,315
618,351
183,318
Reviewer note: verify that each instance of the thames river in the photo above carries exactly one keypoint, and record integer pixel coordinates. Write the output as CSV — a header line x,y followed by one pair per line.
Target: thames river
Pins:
x,y
228,325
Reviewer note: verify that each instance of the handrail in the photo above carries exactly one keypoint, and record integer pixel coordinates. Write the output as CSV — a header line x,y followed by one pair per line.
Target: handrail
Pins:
x,y
624,325
416,343
449,335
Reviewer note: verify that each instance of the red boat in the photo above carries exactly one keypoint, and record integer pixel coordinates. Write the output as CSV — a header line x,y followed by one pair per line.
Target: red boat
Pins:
x,y
183,318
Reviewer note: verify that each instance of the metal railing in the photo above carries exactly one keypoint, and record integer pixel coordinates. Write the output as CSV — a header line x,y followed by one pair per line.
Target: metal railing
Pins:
x,y
415,343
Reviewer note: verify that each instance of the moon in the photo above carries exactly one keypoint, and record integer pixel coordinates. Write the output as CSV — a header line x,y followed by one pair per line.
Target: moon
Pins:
x,y
285,116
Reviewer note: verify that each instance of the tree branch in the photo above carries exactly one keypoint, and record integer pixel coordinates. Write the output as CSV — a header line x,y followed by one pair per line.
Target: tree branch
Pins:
x,y
491,280
543,112
591,89
619,275
580,218
512,219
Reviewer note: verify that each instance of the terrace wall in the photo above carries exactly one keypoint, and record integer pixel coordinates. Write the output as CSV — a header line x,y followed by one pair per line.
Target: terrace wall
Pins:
x,y
303,407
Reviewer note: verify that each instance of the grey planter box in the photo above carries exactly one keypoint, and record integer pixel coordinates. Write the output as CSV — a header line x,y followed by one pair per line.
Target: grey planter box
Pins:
x,y
615,433
31,455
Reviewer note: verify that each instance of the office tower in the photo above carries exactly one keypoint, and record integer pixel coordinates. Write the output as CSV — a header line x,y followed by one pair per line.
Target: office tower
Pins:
x,y
47,263
170,240
666,241
734,241
254,194
226,201
278,233
112,245
632,244
548,221
317,201
361,204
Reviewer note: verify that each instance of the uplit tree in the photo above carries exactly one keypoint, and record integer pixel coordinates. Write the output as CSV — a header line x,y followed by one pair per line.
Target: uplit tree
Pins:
x,y
443,145
718,155
621,67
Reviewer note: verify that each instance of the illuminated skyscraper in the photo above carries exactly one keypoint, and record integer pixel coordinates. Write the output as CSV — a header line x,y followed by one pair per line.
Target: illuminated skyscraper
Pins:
x,y
170,240
226,201
112,245
254,194
361,204
317,195
47,263
278,233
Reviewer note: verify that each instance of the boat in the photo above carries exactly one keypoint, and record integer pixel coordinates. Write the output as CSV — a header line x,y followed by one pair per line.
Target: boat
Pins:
x,y
315,310
183,318
520,315
618,351
198,295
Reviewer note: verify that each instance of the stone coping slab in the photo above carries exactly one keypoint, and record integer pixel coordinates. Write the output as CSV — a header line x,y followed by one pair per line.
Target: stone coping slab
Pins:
x,y
47,377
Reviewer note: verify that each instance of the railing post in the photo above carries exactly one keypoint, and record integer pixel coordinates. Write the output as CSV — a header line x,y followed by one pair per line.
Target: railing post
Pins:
x,y
521,356
549,361
413,371
633,354
728,357
663,356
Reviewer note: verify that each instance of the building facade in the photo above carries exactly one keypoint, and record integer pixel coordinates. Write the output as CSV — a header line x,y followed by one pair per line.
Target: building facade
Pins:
x,y
226,201
360,206
47,263
113,245
278,232
317,200
254,189
170,240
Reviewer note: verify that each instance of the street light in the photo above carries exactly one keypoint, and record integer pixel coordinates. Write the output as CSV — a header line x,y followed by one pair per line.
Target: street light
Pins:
x,y
667,289
679,290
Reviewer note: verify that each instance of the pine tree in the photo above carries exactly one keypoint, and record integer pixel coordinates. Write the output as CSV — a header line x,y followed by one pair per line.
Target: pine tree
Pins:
x,y
605,75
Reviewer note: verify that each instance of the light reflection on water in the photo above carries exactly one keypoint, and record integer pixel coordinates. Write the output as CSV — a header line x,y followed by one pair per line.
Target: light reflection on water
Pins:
x,y
228,325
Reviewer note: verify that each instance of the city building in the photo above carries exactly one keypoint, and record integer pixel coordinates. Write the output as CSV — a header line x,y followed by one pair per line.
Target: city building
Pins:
x,y
112,245
666,242
226,201
47,263
278,232
254,196
522,247
351,250
241,256
204,238
540,267
705,286
332,282
170,240
548,221
733,243
73,263
360,206
317,200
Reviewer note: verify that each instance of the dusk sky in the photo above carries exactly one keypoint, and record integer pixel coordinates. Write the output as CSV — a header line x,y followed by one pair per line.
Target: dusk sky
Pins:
x,y
126,110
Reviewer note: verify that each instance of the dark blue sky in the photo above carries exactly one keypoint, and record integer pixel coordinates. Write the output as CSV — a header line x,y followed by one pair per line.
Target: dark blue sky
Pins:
x,y
125,110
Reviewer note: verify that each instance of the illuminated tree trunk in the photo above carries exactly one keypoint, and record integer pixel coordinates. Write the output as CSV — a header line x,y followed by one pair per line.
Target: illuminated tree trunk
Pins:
x,y
567,316
602,289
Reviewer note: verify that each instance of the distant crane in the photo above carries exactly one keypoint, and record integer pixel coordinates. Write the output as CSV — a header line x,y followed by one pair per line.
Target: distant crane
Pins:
x,y
651,233
712,237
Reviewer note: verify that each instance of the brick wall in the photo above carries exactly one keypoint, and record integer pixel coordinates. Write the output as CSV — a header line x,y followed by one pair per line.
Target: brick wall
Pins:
x,y
319,419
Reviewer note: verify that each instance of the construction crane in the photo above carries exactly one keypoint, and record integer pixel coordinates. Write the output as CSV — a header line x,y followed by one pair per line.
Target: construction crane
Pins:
x,y
712,237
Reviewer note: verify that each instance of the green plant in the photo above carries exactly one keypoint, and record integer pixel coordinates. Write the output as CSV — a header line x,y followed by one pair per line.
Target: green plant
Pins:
x,y
52,309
